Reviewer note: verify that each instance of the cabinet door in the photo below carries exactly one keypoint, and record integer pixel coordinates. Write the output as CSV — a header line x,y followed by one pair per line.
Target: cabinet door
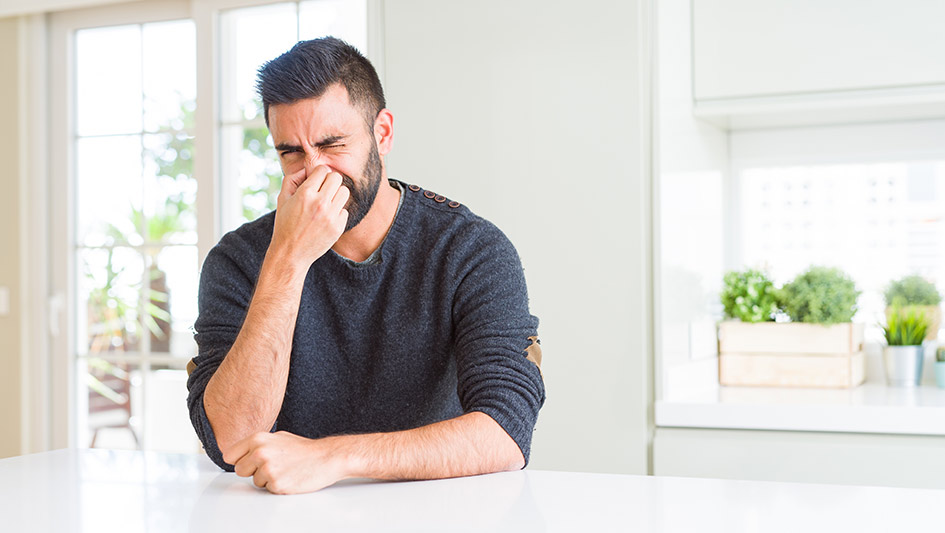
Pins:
x,y
757,48
911,461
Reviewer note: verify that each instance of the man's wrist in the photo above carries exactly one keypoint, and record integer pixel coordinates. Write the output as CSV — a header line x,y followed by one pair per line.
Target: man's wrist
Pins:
x,y
281,261
353,454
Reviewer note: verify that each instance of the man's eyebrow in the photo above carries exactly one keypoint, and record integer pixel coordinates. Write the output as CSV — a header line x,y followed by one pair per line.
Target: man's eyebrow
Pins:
x,y
331,139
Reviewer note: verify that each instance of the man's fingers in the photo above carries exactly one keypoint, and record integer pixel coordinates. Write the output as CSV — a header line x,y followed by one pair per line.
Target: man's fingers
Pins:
x,y
292,182
245,467
315,179
330,185
341,196
234,454
260,479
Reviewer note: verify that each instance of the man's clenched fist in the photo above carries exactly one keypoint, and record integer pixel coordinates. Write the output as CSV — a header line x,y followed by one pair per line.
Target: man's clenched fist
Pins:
x,y
283,463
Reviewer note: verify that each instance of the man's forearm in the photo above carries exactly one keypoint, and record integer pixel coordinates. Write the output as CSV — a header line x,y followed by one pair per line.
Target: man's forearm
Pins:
x,y
468,445
245,394
285,463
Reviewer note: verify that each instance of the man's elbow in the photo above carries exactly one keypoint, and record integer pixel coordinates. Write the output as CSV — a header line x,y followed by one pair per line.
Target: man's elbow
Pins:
x,y
516,460
508,454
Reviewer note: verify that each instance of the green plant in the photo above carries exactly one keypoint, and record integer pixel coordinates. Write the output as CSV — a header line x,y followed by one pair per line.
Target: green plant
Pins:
x,y
749,296
912,290
906,327
821,295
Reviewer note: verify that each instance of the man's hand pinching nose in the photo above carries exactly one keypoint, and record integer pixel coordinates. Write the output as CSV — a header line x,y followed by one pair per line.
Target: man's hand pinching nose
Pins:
x,y
311,215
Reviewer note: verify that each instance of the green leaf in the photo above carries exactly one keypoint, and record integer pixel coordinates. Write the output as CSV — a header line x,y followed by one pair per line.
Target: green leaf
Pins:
x,y
906,326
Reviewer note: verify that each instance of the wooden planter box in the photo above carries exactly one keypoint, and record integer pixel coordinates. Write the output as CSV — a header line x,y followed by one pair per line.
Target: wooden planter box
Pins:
x,y
769,354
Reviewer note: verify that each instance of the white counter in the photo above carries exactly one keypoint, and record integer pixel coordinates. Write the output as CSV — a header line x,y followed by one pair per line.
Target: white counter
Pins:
x,y
869,408
101,491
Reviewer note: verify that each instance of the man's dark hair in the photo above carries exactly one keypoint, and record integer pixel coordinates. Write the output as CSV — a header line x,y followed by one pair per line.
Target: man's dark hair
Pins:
x,y
310,67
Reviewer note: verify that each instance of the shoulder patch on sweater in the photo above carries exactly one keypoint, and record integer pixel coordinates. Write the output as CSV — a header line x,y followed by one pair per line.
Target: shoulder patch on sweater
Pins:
x,y
533,352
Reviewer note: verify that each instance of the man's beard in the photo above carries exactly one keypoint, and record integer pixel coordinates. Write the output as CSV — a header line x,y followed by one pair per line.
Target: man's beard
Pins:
x,y
361,199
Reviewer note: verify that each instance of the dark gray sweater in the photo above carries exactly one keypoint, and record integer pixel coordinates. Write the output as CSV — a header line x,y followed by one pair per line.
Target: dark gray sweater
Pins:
x,y
436,328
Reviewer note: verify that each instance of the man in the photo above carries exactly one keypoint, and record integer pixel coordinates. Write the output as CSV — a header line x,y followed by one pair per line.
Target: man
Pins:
x,y
366,328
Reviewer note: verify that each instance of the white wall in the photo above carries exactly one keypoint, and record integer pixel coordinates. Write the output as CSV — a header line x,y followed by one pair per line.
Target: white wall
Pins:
x,y
533,114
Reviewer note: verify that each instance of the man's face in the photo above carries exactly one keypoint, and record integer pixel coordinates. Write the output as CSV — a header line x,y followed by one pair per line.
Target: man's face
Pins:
x,y
329,131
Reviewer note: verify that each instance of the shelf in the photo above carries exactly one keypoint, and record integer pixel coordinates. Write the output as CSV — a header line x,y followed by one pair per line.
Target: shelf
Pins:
x,y
869,408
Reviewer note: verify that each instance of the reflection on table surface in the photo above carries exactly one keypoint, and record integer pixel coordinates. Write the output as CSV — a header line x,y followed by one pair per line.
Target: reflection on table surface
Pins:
x,y
100,491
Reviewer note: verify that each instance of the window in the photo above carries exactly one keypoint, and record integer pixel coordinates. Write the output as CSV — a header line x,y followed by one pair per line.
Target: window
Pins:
x,y
877,221
141,170
136,253
868,199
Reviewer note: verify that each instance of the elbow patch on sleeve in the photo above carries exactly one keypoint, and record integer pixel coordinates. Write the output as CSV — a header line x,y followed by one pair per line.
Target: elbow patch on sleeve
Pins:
x,y
533,352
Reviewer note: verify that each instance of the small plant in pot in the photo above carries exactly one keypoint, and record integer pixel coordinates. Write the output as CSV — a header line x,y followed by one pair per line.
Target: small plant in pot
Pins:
x,y
940,367
905,330
916,291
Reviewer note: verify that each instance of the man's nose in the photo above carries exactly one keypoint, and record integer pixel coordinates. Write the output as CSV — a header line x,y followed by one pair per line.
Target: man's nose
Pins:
x,y
311,161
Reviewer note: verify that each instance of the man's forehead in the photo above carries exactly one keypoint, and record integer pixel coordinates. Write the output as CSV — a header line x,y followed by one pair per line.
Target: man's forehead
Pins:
x,y
330,114
335,98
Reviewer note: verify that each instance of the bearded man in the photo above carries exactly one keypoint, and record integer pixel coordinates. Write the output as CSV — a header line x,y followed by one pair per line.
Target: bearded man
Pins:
x,y
366,327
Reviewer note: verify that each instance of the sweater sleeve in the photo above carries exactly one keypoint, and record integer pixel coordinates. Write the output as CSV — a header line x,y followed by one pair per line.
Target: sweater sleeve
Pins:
x,y
494,334
226,287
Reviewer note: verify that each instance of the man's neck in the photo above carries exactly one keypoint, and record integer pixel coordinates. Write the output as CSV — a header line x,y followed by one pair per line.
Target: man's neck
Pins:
x,y
358,243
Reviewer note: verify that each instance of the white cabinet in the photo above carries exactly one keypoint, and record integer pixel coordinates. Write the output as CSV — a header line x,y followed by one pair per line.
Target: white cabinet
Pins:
x,y
748,48
762,57
836,458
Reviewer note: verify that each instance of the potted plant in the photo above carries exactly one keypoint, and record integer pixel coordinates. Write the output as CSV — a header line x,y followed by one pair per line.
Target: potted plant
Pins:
x,y
905,330
940,367
820,347
916,291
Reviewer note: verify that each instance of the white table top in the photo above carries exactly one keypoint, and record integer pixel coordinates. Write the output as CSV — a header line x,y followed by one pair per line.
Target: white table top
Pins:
x,y
101,491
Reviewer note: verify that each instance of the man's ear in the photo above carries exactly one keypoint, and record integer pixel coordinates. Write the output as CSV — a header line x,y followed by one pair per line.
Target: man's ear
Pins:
x,y
384,131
